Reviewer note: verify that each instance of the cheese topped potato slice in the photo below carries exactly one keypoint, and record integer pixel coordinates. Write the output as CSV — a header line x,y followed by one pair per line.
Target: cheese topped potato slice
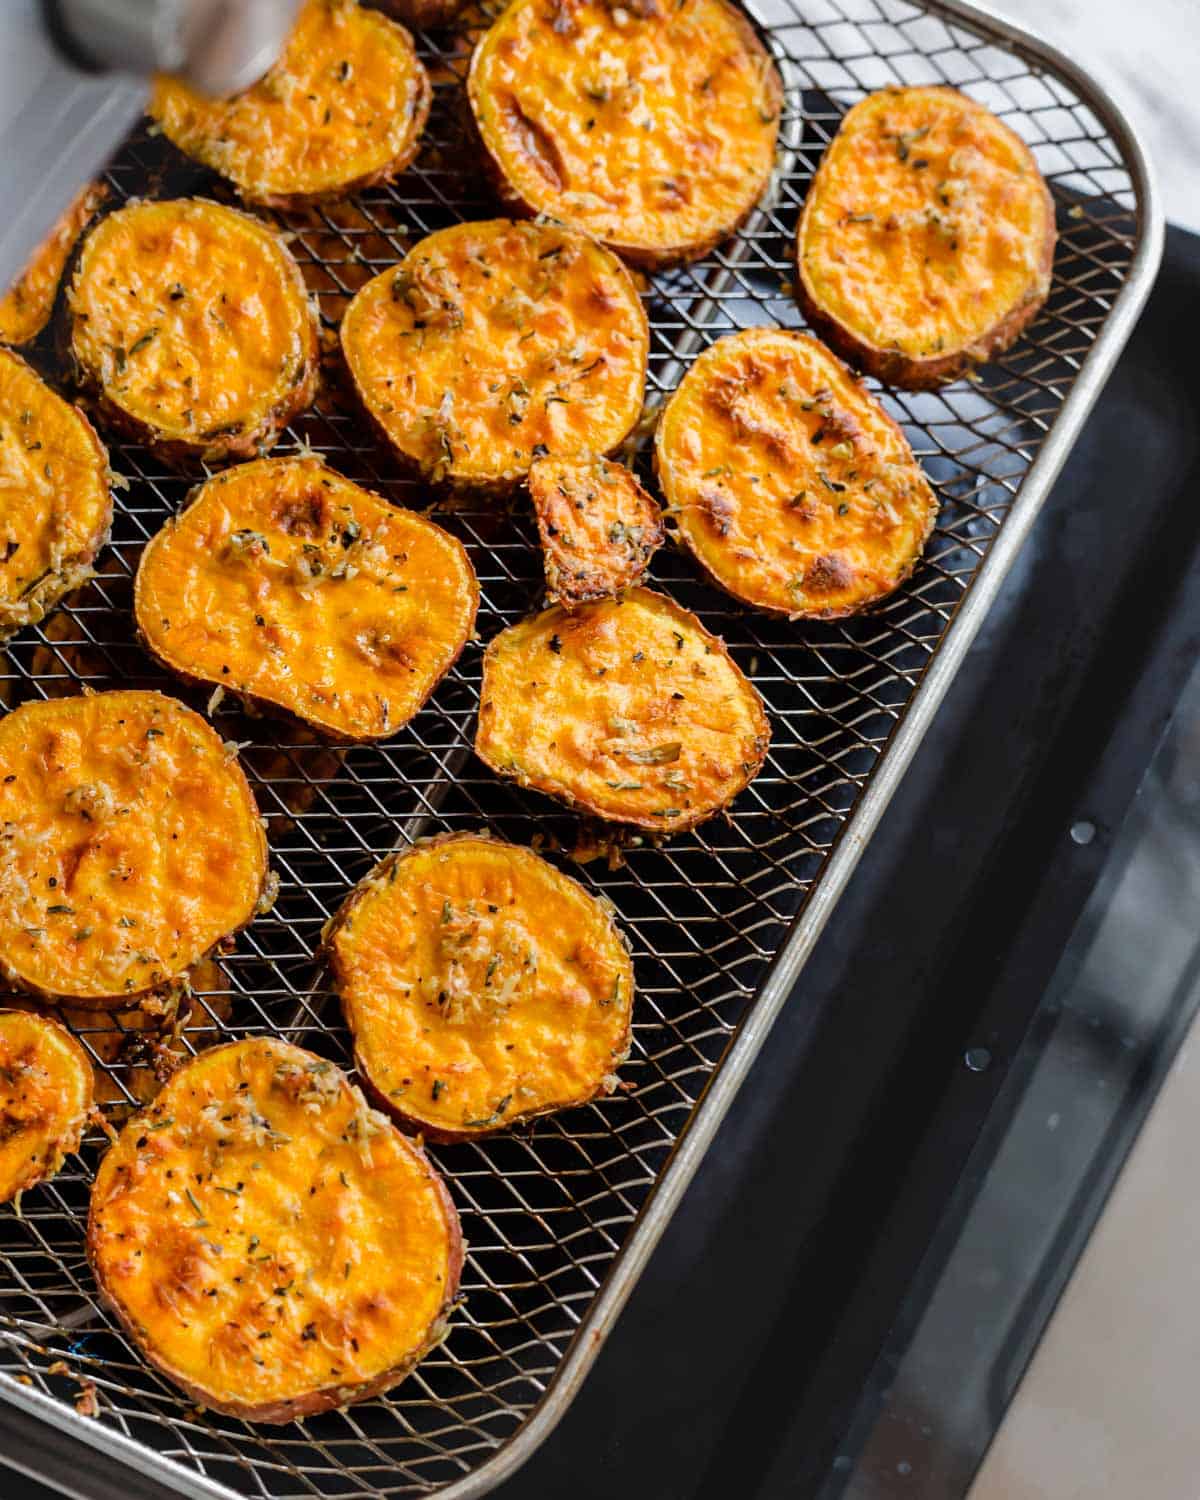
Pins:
x,y
927,239
492,344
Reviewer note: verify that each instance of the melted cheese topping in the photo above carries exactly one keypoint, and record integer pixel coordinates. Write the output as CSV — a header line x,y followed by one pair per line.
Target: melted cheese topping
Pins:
x,y
275,1246
599,528
481,986
129,844
626,708
788,480
651,127
926,224
285,581
491,342
55,504
26,307
192,319
344,106
45,1099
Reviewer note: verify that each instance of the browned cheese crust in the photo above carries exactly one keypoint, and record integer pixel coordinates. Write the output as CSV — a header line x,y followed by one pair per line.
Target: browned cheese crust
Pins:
x,y
787,480
494,342
130,845
191,325
341,110
483,987
650,126
55,500
927,239
290,586
624,708
274,1247
45,1099
598,527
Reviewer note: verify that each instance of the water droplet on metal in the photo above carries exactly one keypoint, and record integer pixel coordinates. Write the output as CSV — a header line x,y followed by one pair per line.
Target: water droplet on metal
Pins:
x,y
978,1059
1083,832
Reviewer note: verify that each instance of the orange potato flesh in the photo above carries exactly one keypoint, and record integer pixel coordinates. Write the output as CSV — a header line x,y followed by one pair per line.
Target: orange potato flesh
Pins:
x,y
787,480
599,528
285,582
927,238
275,1247
129,845
55,503
651,127
192,322
627,709
45,1099
26,307
482,986
342,108
491,343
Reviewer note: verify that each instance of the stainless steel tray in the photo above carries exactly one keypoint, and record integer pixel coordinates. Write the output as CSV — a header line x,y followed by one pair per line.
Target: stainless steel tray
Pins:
x,y
561,1219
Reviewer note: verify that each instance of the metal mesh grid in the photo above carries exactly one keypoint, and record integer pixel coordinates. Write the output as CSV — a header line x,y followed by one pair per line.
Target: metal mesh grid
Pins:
x,y
546,1211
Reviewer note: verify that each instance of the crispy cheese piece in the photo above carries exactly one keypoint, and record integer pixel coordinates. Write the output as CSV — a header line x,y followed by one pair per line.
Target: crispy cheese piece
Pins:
x,y
927,239
26,307
191,323
651,126
272,1245
599,528
491,343
290,585
482,986
627,709
341,110
55,501
45,1099
129,845
788,481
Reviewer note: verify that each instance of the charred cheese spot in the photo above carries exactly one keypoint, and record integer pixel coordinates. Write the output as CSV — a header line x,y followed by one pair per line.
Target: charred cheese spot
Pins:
x,y
627,709
288,584
129,845
927,238
26,307
274,1247
341,110
650,126
55,503
599,528
482,986
45,1099
787,480
191,322
493,342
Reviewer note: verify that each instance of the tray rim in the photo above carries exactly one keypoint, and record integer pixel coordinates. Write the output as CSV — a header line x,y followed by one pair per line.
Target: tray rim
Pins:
x,y
1106,100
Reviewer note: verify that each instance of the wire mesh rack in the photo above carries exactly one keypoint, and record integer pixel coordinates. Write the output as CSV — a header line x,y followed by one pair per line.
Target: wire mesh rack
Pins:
x,y
560,1217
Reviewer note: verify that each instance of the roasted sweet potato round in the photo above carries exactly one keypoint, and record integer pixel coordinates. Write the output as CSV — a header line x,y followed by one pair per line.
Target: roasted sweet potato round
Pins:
x,y
927,239
482,986
45,1099
287,584
55,501
788,481
599,527
272,1245
342,109
129,845
651,127
191,324
627,709
26,307
491,343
